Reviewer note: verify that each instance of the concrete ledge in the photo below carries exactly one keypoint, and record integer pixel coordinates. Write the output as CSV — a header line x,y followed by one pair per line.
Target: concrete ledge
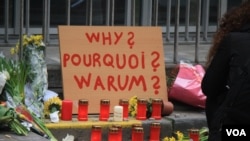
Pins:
x,y
179,120
183,120
81,130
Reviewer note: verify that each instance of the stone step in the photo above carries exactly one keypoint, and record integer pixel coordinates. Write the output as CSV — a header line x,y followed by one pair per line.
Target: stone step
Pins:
x,y
182,119
177,121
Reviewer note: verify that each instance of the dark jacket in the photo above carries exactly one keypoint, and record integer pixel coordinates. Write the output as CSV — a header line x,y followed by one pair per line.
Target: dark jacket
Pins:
x,y
229,63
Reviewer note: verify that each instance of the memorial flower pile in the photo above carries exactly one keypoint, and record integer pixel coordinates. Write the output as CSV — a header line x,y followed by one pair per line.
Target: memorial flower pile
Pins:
x,y
25,85
36,83
8,117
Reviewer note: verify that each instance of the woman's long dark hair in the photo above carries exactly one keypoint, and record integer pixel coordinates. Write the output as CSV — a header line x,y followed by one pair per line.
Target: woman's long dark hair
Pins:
x,y
233,20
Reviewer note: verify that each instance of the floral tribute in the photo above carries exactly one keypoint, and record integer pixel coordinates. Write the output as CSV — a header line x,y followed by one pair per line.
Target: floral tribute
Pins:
x,y
23,84
36,81
53,106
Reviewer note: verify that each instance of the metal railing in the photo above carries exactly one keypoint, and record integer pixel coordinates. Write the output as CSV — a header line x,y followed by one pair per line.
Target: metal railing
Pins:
x,y
173,33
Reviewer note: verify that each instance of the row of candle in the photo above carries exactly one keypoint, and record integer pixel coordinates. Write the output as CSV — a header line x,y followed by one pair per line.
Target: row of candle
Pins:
x,y
115,132
121,111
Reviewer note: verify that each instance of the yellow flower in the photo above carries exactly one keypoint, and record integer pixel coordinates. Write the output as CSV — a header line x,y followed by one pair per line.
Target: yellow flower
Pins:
x,y
180,135
32,40
12,51
51,105
169,139
133,106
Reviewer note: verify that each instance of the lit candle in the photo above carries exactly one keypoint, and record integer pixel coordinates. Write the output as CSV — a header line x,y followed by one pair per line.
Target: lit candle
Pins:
x,y
137,134
155,129
124,104
96,133
118,113
104,110
141,109
67,107
156,108
83,110
113,134
194,134
119,127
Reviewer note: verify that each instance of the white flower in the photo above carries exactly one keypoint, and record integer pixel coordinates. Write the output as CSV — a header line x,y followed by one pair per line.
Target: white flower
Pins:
x,y
6,74
3,77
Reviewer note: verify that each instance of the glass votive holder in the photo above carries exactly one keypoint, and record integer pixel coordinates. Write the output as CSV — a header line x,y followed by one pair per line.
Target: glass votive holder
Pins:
x,y
155,130
141,109
83,109
113,134
96,133
124,103
137,134
104,109
119,127
194,134
156,108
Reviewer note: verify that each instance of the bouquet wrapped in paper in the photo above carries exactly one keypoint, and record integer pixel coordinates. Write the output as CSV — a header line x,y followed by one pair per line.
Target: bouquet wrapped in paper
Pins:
x,y
185,84
13,111
37,81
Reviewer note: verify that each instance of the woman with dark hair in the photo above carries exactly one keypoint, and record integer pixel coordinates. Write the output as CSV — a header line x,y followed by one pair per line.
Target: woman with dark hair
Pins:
x,y
227,79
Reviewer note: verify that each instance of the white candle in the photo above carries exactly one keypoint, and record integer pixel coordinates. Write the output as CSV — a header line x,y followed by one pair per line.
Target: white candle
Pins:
x,y
118,113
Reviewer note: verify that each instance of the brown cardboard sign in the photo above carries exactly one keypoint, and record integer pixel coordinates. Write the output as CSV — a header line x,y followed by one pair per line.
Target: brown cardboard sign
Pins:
x,y
103,62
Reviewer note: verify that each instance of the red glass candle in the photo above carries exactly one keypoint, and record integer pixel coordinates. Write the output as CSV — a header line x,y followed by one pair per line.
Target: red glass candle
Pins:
x,y
96,133
104,110
66,112
156,108
194,134
124,104
119,127
155,130
137,134
113,134
83,109
141,109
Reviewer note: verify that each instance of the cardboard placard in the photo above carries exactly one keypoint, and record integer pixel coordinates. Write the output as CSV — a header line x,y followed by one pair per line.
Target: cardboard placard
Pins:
x,y
103,62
